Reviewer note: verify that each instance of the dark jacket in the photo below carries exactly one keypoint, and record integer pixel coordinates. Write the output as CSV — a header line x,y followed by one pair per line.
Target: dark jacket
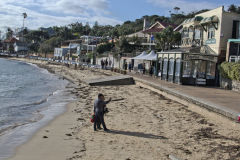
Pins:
x,y
99,106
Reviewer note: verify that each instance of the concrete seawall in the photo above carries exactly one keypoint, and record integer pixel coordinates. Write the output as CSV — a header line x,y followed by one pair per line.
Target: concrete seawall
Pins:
x,y
112,80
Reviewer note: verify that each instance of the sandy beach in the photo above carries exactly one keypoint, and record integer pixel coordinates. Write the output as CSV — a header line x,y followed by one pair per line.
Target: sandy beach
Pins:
x,y
144,125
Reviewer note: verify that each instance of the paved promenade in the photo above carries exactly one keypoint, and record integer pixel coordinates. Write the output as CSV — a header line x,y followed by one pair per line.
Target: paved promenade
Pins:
x,y
222,101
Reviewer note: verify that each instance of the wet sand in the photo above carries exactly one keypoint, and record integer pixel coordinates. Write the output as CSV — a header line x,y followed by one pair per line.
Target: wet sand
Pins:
x,y
144,125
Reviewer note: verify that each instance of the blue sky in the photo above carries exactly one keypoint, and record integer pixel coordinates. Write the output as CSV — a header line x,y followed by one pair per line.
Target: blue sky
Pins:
x,y
45,13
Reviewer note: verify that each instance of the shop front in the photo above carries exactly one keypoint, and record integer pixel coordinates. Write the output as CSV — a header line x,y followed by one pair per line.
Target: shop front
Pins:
x,y
199,69
187,68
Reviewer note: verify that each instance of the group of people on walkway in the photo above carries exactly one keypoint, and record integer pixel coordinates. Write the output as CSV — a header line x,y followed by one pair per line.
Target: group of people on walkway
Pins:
x,y
105,63
142,69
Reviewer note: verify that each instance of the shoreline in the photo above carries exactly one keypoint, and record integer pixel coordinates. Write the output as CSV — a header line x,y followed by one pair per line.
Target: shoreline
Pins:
x,y
45,115
165,128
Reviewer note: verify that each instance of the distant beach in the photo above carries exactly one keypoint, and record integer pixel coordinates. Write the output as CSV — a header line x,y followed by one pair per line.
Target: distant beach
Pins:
x,y
144,125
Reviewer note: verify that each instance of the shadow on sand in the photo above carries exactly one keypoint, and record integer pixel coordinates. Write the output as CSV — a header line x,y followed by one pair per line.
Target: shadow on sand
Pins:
x,y
137,134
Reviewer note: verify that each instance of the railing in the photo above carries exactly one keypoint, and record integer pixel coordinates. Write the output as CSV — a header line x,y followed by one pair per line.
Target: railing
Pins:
x,y
234,59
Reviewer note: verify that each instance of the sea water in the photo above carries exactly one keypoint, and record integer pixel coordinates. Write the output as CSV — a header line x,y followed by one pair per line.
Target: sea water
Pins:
x,y
29,98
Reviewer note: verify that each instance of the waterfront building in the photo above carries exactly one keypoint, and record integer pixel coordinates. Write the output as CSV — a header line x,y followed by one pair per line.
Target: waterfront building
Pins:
x,y
203,48
146,35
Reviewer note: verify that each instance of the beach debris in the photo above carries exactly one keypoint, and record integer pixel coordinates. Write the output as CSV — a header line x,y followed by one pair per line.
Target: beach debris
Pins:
x,y
45,136
120,99
173,157
80,119
69,134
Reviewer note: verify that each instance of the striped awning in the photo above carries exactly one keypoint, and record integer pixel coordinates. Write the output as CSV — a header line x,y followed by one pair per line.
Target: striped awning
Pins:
x,y
193,20
212,19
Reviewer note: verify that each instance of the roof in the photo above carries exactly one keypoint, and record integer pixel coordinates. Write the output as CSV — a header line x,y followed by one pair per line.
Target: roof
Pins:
x,y
158,27
11,40
153,30
143,54
205,50
137,34
152,56
74,40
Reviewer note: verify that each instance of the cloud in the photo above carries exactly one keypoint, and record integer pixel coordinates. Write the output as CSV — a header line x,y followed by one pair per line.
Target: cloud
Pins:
x,y
185,5
45,13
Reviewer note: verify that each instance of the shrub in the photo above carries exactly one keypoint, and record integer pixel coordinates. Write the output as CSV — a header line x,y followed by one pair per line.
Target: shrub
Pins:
x,y
230,70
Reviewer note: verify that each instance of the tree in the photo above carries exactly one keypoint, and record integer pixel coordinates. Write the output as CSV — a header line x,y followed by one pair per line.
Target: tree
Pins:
x,y
49,45
177,38
124,46
161,39
114,33
176,9
36,36
45,48
87,29
232,8
64,32
104,48
136,40
11,48
34,47
167,38
9,33
238,10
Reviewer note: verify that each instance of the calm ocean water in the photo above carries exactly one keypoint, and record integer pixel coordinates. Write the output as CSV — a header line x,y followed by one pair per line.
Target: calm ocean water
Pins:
x,y
29,98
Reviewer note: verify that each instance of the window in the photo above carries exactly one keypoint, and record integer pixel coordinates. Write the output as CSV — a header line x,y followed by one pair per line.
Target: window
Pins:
x,y
211,33
165,66
171,67
211,70
185,33
187,69
178,67
160,67
197,34
236,30
195,68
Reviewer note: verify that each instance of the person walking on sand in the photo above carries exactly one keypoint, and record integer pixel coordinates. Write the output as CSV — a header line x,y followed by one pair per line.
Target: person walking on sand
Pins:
x,y
99,107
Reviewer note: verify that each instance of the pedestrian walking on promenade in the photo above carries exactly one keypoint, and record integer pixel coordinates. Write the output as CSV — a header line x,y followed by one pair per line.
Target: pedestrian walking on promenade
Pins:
x,y
102,64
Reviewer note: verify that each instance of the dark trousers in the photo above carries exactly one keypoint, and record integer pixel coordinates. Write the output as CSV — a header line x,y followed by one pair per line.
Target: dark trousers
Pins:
x,y
99,120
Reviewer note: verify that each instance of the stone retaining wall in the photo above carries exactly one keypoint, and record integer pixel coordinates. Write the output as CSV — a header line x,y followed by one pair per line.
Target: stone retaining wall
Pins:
x,y
230,84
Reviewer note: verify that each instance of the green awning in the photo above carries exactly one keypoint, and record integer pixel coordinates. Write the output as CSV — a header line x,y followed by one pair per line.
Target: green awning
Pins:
x,y
195,19
198,18
212,19
234,40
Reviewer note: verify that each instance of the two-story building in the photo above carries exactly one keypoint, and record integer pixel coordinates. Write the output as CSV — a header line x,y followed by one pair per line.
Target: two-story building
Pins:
x,y
203,48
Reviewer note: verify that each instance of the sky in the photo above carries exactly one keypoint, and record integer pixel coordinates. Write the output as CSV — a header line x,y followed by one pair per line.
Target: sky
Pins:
x,y
46,13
